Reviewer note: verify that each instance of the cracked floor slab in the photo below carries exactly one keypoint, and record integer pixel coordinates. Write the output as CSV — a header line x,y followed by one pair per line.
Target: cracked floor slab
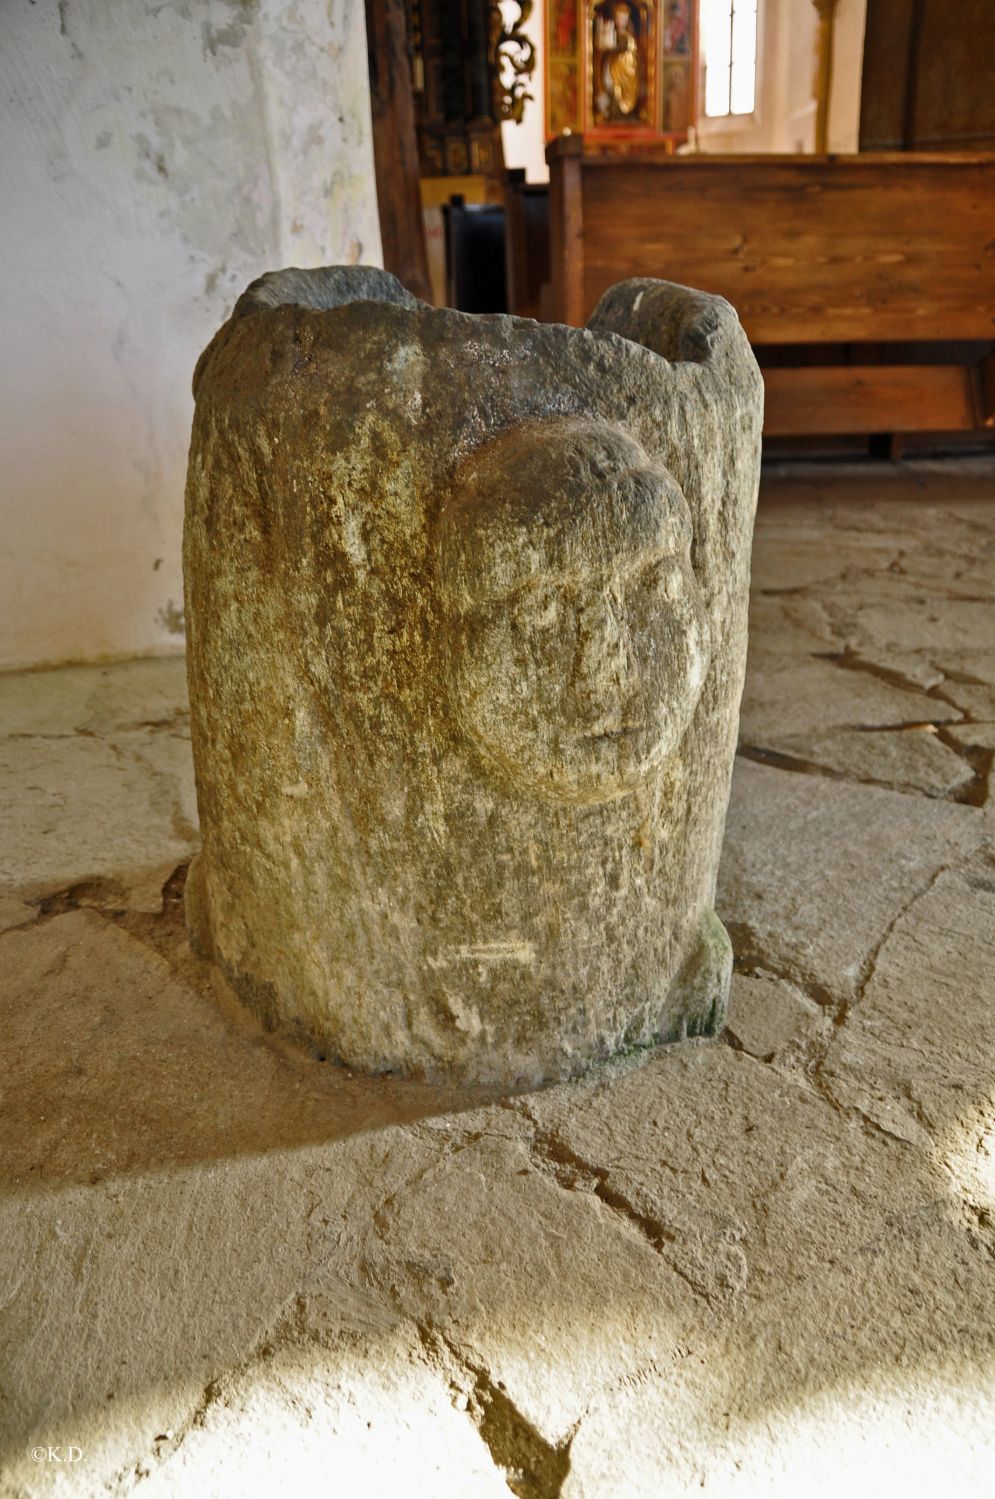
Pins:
x,y
809,695
96,778
376,1413
905,759
759,1264
813,869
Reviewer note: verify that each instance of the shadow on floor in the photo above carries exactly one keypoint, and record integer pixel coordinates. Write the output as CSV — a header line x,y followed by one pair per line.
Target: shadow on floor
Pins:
x,y
126,1053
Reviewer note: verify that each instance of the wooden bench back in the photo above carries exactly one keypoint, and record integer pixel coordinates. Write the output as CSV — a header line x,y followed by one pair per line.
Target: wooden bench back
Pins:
x,y
808,249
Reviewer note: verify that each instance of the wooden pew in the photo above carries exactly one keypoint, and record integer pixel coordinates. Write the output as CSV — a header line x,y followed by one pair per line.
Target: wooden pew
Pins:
x,y
836,265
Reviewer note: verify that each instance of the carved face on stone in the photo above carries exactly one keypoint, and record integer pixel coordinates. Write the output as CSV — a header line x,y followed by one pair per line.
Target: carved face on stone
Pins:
x,y
577,642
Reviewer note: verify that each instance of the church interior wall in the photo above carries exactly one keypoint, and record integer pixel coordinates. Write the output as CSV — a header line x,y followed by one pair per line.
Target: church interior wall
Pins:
x,y
155,157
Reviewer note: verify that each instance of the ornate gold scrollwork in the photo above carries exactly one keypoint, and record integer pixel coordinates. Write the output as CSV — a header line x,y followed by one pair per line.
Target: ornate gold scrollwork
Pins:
x,y
513,60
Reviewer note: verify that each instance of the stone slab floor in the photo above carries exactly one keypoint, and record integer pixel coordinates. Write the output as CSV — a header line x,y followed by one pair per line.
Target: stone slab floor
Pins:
x,y
763,1264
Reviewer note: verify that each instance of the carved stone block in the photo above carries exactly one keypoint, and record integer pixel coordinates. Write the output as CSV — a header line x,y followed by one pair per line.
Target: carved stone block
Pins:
x,y
466,604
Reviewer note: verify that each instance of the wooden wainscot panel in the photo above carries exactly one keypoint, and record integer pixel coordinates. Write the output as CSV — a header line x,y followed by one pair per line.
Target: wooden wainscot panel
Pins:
x,y
869,398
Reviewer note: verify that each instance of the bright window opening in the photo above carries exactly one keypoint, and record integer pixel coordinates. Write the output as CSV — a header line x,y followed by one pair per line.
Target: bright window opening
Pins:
x,y
729,48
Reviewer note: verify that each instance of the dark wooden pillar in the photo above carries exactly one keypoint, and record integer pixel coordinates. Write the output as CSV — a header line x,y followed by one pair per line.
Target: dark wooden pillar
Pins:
x,y
395,146
927,76
566,229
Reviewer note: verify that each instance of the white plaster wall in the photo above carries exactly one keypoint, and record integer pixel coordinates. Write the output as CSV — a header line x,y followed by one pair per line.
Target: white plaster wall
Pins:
x,y
784,120
155,156
848,65
793,128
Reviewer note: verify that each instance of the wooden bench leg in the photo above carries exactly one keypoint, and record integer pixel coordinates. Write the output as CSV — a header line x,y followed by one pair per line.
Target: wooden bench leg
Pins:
x,y
887,446
986,391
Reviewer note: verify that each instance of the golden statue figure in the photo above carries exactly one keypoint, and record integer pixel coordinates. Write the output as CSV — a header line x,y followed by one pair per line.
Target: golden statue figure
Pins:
x,y
622,65
617,74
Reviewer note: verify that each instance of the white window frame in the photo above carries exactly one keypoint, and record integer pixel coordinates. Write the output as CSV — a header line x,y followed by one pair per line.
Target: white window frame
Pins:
x,y
734,124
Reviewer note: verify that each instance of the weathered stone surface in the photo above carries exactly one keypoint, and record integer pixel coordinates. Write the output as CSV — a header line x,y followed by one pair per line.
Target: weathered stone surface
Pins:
x,y
559,1235
798,847
154,1060
82,809
877,1380
132,1289
15,913
925,1027
466,606
772,1019
372,1413
946,631
976,664
803,695
221,1258
910,666
100,700
781,1205
789,625
975,698
795,555
96,780
912,759
972,735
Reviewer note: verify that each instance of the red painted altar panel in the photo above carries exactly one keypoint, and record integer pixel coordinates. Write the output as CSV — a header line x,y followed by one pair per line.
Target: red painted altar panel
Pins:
x,y
622,72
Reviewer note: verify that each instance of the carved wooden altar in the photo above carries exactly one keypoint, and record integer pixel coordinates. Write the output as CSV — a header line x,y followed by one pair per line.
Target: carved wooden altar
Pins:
x,y
622,72
470,66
